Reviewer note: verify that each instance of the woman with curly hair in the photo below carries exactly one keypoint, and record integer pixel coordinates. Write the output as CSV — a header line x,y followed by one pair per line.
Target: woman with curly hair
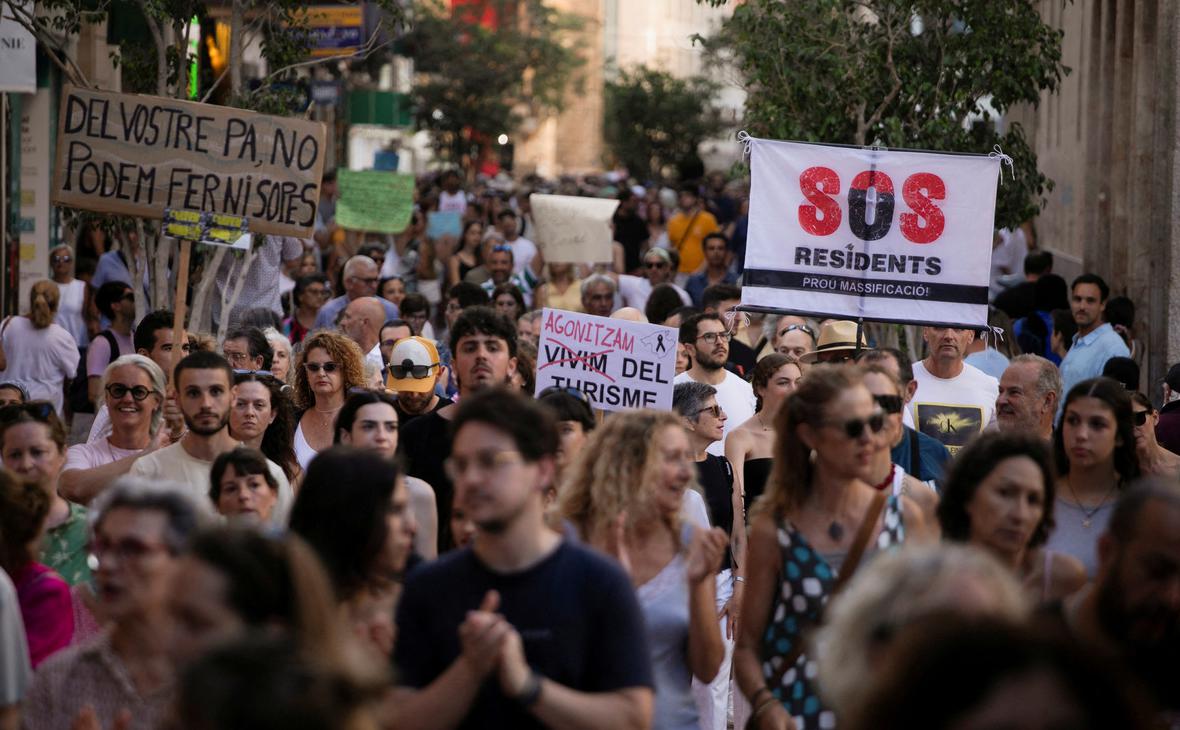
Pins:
x,y
999,495
263,418
329,367
630,505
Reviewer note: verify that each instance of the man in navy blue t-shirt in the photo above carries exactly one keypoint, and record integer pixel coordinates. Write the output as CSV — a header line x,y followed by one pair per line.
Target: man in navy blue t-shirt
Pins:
x,y
523,629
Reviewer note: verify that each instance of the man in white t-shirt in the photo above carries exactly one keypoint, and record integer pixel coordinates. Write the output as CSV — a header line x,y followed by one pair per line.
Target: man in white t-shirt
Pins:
x,y
361,321
955,401
203,383
523,250
657,269
708,339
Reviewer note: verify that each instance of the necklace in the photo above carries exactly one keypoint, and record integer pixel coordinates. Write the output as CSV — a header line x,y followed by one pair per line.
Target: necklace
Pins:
x,y
888,478
836,531
761,422
1088,514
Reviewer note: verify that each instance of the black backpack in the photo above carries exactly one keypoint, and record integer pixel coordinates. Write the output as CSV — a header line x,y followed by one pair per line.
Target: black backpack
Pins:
x,y
78,395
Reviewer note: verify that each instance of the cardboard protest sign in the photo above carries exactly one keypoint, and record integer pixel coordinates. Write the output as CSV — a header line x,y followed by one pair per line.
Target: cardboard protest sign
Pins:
x,y
849,232
376,201
137,155
441,223
572,229
617,363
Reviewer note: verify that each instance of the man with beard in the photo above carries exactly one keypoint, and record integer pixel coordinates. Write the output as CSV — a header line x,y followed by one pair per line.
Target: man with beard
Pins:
x,y
955,401
707,340
1133,606
203,382
416,394
524,629
484,347
1030,390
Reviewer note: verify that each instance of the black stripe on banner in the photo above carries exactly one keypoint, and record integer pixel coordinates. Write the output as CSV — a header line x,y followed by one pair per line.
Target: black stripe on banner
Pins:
x,y
866,287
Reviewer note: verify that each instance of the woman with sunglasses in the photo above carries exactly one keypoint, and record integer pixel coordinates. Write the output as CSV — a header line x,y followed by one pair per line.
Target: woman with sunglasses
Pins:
x,y
35,352
329,367
630,505
263,418
750,446
134,390
816,508
1094,446
1154,459
884,474
999,495
33,446
75,311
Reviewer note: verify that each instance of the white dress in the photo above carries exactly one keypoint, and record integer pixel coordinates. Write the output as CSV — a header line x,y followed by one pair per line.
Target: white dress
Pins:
x,y
303,451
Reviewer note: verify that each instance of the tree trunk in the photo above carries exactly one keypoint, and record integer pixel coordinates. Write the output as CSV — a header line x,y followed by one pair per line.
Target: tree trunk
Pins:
x,y
229,302
200,319
236,31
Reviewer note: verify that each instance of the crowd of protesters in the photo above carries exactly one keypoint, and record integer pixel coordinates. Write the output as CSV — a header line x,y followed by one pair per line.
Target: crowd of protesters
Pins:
x,y
353,510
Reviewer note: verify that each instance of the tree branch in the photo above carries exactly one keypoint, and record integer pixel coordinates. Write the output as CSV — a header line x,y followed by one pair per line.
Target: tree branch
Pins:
x,y
894,90
29,22
370,47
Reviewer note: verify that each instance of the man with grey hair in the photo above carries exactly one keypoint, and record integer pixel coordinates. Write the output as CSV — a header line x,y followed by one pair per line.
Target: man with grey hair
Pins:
x,y
361,277
1030,390
1133,607
598,295
138,531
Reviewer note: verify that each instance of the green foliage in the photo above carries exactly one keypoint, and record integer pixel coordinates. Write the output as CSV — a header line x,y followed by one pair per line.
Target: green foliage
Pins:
x,y
478,82
655,120
897,73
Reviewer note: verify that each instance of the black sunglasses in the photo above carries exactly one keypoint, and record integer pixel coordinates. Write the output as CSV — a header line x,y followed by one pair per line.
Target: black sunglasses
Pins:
x,y
41,410
118,390
1140,417
315,367
891,404
62,259
854,428
567,390
409,370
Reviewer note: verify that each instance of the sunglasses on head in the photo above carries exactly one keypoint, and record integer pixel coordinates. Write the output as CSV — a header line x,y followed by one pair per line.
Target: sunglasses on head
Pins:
x,y
798,327
409,370
564,389
855,427
891,404
501,248
41,410
1139,418
315,367
118,390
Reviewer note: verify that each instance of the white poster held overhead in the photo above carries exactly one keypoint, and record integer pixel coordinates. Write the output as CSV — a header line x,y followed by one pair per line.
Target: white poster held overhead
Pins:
x,y
572,229
867,233
18,53
617,364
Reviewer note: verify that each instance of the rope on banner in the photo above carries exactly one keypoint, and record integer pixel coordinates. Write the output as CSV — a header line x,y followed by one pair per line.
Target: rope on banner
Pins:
x,y
998,154
745,138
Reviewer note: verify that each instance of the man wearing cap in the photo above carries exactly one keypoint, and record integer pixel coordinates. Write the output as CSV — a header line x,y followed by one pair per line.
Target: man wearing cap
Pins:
x,y
657,269
836,343
1167,431
955,401
361,321
414,369
707,340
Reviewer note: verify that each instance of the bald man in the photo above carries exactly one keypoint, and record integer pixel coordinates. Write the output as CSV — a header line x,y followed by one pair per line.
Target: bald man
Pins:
x,y
631,314
361,321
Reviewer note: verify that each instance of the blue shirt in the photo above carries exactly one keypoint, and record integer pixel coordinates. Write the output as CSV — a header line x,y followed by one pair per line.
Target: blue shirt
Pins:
x,y
989,361
932,456
698,283
326,318
1088,356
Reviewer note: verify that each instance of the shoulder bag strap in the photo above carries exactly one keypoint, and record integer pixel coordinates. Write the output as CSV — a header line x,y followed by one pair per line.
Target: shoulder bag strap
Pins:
x,y
855,553
687,230
915,455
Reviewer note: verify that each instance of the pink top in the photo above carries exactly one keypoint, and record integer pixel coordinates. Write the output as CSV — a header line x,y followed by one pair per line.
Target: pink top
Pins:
x,y
46,608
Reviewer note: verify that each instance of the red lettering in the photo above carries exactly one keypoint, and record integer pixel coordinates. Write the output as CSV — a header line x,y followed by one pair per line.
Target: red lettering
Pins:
x,y
918,192
818,184
873,179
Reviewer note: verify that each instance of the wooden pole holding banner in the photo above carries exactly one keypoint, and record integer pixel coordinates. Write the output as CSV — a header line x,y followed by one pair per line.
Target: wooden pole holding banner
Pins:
x,y
860,328
178,310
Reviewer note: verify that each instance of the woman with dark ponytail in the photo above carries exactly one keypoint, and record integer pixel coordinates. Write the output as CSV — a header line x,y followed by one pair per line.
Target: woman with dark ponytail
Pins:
x,y
35,352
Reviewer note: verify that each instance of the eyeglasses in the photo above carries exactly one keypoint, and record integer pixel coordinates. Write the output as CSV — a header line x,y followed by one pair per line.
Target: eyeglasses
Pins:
x,y
714,410
712,337
61,259
656,264
315,367
854,428
130,549
370,280
891,404
1140,417
409,370
485,461
118,390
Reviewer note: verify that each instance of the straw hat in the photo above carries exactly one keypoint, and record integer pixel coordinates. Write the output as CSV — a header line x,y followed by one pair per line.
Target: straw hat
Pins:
x,y
836,335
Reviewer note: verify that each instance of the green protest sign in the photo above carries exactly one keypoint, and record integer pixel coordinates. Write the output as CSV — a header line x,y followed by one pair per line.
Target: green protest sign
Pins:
x,y
372,200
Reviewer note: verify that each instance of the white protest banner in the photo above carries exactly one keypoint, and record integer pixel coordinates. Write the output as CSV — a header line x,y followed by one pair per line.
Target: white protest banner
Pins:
x,y
877,234
137,155
18,51
617,363
572,229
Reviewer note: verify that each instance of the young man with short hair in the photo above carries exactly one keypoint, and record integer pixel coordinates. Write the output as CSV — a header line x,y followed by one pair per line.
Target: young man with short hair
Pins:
x,y
724,300
483,346
707,340
204,391
1096,341
116,302
717,269
525,629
